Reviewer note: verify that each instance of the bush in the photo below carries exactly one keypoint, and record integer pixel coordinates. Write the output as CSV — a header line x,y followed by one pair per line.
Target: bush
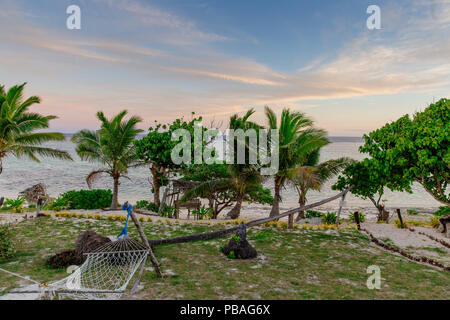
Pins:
x,y
167,211
6,242
412,212
14,204
398,224
147,205
442,211
313,214
203,212
82,199
434,222
362,217
329,218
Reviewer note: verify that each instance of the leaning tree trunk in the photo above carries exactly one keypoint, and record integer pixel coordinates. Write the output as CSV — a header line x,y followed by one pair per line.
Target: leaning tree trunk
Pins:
x,y
236,211
115,194
156,187
276,200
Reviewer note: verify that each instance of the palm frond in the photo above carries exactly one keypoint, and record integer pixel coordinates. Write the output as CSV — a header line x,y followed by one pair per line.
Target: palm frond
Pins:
x,y
31,151
40,137
91,177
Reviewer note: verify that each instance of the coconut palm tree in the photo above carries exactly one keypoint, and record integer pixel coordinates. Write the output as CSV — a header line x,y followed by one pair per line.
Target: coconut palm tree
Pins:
x,y
112,146
297,139
225,185
243,176
17,126
312,175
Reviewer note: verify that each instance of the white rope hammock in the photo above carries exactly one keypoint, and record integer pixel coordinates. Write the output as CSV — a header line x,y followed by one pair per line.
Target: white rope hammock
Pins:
x,y
104,275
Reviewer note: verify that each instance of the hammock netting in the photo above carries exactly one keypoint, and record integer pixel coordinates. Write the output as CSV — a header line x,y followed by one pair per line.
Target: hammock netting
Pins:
x,y
105,274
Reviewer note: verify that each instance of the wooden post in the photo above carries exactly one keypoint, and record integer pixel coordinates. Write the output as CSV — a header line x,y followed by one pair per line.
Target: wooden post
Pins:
x,y
358,221
402,226
341,203
145,241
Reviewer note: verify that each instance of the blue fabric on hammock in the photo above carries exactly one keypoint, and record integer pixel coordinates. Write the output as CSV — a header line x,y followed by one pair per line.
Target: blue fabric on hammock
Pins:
x,y
123,234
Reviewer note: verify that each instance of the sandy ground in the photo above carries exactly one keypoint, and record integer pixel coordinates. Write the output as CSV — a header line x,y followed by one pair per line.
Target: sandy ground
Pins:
x,y
404,237
412,242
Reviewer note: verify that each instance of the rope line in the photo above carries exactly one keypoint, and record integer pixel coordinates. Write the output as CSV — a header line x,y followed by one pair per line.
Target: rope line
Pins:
x,y
19,276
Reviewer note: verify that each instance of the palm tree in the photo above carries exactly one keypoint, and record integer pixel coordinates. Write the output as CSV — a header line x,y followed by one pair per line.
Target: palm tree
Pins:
x,y
313,175
243,176
17,126
297,139
112,146
233,184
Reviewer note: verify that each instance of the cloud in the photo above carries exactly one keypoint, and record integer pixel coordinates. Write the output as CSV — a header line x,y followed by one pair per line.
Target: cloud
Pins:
x,y
163,82
176,30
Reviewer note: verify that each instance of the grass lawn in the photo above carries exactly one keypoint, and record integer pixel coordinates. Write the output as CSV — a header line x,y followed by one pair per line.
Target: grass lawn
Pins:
x,y
291,264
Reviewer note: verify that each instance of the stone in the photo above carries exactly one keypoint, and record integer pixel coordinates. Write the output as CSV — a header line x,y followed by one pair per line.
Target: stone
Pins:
x,y
242,249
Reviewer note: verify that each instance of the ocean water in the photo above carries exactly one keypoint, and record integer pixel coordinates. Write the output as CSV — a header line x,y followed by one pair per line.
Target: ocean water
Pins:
x,y
61,176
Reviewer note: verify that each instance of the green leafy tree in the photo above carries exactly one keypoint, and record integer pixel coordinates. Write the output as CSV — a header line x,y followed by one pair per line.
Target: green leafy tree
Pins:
x,y
18,126
313,175
368,179
112,146
416,149
155,149
212,184
297,139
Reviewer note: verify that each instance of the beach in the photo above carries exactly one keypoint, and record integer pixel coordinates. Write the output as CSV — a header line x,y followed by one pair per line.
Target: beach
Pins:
x,y
61,176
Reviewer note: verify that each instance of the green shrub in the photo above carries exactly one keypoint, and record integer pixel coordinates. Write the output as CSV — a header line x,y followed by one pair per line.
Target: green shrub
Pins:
x,y
235,238
412,212
398,224
6,242
15,205
434,222
362,217
147,205
82,199
313,214
203,212
231,255
329,218
442,211
167,211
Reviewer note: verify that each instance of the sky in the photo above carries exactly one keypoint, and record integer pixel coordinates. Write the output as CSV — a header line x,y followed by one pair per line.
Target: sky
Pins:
x,y
164,59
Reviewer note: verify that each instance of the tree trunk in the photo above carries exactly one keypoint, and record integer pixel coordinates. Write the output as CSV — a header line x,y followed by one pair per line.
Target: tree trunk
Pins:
x,y
236,211
301,214
291,221
156,187
276,200
115,193
430,192
383,215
